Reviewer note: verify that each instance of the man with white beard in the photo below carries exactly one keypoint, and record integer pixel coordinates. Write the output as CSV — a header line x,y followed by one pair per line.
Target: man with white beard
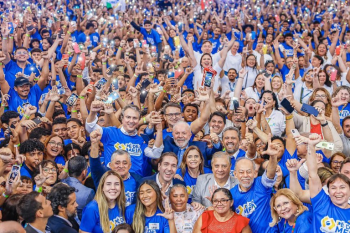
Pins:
x,y
182,139
231,139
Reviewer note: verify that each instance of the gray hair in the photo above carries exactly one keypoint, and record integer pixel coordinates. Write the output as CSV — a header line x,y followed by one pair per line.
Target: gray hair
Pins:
x,y
234,129
130,106
120,152
244,158
184,123
221,154
178,186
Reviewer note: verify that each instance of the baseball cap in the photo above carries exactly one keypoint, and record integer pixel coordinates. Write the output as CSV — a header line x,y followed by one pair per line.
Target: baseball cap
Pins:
x,y
20,81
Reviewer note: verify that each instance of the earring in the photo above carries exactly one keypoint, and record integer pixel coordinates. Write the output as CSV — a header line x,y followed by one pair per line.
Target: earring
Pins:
x,y
297,211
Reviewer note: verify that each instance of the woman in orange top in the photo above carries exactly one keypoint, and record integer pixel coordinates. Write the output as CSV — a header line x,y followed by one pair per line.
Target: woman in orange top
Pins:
x,y
222,219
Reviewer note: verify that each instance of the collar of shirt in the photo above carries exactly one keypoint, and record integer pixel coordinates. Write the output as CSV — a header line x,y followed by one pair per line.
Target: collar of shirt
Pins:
x,y
235,154
66,220
226,185
160,185
37,230
126,133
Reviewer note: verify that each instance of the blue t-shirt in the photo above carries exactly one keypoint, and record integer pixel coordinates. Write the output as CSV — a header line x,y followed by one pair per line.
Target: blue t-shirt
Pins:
x,y
343,112
154,224
190,181
17,104
216,44
241,153
327,217
94,38
113,139
59,159
130,187
302,225
254,204
11,69
152,38
90,221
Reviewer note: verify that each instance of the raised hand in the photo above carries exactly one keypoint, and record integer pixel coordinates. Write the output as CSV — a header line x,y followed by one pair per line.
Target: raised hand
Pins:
x,y
203,94
169,212
272,149
40,178
252,124
5,155
211,191
197,206
108,109
314,139
95,136
242,73
293,165
96,106
213,136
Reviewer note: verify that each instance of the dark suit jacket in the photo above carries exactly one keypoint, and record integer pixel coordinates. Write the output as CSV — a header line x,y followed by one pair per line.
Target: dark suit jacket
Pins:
x,y
153,177
170,146
58,225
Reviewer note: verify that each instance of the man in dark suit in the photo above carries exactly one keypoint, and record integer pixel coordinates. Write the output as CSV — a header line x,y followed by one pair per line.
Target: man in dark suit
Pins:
x,y
182,139
167,166
35,210
64,206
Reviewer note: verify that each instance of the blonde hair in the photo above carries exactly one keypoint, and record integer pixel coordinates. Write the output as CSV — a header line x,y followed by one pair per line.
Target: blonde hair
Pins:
x,y
281,80
139,221
292,197
102,201
328,110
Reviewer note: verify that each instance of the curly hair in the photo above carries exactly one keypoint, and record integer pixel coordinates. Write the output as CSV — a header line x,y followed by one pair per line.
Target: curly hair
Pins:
x,y
31,145
59,196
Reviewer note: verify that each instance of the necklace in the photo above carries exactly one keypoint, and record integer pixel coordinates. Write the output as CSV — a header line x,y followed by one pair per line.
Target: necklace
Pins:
x,y
284,227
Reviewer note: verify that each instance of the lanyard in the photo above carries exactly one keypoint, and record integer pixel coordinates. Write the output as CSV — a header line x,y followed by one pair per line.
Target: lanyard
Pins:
x,y
301,94
259,94
343,108
233,86
284,227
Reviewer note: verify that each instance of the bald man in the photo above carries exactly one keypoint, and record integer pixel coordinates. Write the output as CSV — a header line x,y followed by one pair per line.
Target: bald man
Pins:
x,y
11,227
182,139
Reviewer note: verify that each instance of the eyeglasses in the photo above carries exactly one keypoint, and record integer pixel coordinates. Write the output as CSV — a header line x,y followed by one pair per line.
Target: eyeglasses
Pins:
x,y
56,144
47,170
280,206
188,96
260,144
337,162
173,115
222,201
22,53
320,96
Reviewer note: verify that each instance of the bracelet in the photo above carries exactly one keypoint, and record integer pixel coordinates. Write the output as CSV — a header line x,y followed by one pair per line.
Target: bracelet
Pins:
x,y
69,33
69,53
81,97
36,79
120,48
144,120
3,105
164,91
28,35
4,38
302,37
65,170
26,116
325,124
104,63
64,26
11,37
74,110
79,76
281,34
0,63
4,195
39,189
289,117
17,145
135,75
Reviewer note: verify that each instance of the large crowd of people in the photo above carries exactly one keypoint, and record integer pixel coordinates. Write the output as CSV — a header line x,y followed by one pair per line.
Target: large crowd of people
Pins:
x,y
175,116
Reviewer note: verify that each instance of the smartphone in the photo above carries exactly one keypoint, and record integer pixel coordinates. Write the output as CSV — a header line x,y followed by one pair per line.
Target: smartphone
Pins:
x,y
234,104
309,109
136,43
82,59
176,41
208,76
295,132
145,84
10,27
277,18
112,97
61,91
115,83
153,49
337,50
72,99
14,173
112,68
180,27
100,83
166,56
30,27
171,74
253,35
76,48
37,120
144,43
334,75
65,56
287,106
